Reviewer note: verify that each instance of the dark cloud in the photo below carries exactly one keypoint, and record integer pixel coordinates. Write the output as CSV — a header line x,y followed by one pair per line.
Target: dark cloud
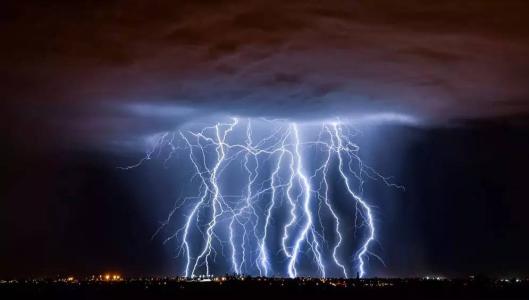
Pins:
x,y
438,61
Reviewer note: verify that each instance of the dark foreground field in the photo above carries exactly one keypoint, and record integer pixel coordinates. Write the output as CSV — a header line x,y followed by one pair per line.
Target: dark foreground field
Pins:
x,y
255,288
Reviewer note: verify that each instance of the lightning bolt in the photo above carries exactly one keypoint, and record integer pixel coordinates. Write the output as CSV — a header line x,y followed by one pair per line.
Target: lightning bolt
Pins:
x,y
284,211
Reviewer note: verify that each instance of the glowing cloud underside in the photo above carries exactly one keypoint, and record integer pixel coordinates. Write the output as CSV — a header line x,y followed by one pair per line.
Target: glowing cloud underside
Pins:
x,y
281,218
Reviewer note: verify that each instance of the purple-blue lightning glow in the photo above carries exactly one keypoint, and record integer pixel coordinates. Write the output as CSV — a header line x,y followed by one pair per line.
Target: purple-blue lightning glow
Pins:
x,y
283,219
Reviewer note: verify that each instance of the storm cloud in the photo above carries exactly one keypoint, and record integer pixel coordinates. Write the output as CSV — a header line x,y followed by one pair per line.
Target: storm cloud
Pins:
x,y
89,67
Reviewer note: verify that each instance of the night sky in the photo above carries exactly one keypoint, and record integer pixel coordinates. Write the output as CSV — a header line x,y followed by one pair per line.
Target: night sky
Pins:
x,y
85,82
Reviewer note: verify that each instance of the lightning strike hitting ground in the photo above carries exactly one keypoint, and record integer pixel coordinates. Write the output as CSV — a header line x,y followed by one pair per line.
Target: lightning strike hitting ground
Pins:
x,y
281,218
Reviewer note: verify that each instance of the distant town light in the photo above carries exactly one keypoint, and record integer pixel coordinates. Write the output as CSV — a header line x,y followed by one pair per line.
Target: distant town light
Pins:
x,y
110,277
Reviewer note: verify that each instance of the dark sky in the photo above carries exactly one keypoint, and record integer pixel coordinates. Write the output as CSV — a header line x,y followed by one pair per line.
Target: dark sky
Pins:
x,y
83,82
